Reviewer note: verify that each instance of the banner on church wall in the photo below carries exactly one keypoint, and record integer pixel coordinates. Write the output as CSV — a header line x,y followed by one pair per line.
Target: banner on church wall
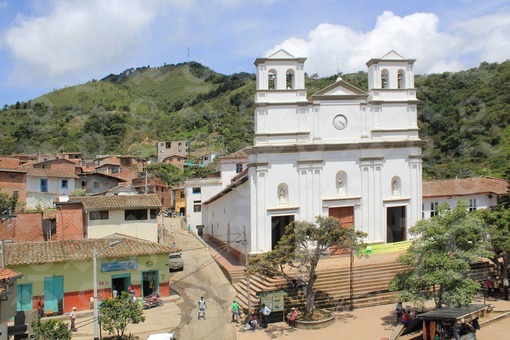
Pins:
x,y
384,248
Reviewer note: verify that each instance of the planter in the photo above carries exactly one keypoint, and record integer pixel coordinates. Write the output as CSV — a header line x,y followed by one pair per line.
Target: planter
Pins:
x,y
327,321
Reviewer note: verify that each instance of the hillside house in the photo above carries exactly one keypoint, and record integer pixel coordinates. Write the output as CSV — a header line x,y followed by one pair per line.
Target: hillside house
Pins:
x,y
478,193
132,215
48,180
154,185
13,181
169,148
97,182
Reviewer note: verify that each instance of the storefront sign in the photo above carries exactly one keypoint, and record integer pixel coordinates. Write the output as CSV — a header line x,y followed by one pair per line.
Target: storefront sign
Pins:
x,y
119,266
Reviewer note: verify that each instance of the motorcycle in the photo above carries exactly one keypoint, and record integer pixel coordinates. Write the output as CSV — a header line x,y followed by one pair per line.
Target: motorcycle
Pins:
x,y
151,301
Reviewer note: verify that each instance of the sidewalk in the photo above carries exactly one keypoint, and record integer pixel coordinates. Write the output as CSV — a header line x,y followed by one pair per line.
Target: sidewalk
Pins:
x,y
375,323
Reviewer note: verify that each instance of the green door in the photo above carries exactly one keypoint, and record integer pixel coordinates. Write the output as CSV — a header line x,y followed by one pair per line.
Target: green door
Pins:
x,y
53,292
24,297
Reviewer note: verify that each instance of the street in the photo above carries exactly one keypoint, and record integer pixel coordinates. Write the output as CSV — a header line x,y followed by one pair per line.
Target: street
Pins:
x,y
201,277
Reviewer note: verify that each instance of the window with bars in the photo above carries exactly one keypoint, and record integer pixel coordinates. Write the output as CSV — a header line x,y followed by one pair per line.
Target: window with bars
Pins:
x,y
472,204
433,209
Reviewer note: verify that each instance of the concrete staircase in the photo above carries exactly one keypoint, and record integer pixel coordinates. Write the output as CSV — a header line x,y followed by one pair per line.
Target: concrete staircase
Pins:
x,y
370,287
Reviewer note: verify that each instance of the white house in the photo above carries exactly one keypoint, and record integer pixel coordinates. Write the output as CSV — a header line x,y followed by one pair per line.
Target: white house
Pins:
x,y
478,193
132,215
48,180
202,189
342,152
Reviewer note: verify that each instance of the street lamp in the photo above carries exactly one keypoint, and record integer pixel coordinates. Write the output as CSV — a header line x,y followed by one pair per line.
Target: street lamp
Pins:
x,y
96,316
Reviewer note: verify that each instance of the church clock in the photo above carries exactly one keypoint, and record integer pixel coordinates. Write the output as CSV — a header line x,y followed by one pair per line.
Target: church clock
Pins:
x,y
340,122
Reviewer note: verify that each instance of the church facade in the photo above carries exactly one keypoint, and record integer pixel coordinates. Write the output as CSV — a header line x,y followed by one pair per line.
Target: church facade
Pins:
x,y
341,152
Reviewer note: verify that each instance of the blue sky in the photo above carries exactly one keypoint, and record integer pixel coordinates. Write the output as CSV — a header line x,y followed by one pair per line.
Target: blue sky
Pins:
x,y
49,44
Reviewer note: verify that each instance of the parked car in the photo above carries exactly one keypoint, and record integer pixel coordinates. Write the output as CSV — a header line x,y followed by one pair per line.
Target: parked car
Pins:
x,y
176,262
162,336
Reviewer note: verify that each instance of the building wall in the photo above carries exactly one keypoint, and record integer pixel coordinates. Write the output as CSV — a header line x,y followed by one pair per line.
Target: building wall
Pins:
x,y
96,183
176,147
26,227
482,202
180,202
208,188
78,278
70,222
228,219
47,199
9,163
14,181
145,230
228,170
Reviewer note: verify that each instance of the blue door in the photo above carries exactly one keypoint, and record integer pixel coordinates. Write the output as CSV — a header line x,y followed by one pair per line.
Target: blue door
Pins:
x,y
24,297
53,293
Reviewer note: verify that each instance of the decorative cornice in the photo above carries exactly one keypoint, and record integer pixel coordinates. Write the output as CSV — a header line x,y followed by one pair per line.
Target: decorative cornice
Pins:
x,y
308,161
335,147
267,134
283,208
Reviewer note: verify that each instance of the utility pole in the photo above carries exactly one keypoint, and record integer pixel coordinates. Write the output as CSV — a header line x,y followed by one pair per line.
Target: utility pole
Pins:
x,y
245,242
146,176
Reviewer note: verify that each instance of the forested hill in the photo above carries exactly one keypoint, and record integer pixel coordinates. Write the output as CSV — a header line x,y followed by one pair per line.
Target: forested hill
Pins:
x,y
463,115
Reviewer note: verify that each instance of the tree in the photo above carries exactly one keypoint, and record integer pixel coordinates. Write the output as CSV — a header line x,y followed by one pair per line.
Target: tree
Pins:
x,y
439,258
51,329
498,224
116,314
301,247
8,203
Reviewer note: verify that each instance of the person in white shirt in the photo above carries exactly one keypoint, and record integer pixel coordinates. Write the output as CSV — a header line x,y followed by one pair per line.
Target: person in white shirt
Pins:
x,y
265,315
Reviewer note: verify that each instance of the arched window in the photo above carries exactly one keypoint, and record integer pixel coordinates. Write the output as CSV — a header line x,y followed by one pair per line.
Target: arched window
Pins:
x,y
290,79
283,193
385,79
395,186
271,80
401,79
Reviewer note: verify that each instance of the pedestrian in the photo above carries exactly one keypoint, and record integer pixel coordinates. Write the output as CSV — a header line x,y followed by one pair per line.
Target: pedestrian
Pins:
x,y
40,308
292,317
131,289
73,320
506,285
201,307
115,293
489,287
235,311
173,244
265,315
399,310
189,228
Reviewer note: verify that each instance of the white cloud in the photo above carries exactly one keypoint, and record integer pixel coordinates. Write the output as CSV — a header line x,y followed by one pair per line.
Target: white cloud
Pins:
x,y
76,36
336,47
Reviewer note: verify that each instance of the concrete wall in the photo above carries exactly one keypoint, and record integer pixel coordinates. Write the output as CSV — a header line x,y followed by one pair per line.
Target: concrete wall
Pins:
x,y
482,202
146,230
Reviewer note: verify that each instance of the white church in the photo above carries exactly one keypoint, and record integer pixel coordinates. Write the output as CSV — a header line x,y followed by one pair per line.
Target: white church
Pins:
x,y
341,152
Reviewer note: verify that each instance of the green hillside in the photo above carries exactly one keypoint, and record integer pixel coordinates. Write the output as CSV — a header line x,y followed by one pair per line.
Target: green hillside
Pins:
x,y
463,115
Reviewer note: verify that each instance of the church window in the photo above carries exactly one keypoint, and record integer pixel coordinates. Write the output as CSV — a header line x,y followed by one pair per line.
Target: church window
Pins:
x,y
271,80
400,79
385,79
290,80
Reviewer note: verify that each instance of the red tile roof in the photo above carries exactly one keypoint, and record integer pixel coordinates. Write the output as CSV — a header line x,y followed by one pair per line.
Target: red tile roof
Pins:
x,y
17,254
235,155
7,274
121,201
465,186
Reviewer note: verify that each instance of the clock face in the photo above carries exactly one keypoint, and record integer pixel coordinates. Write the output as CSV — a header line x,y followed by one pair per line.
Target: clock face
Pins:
x,y
340,122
